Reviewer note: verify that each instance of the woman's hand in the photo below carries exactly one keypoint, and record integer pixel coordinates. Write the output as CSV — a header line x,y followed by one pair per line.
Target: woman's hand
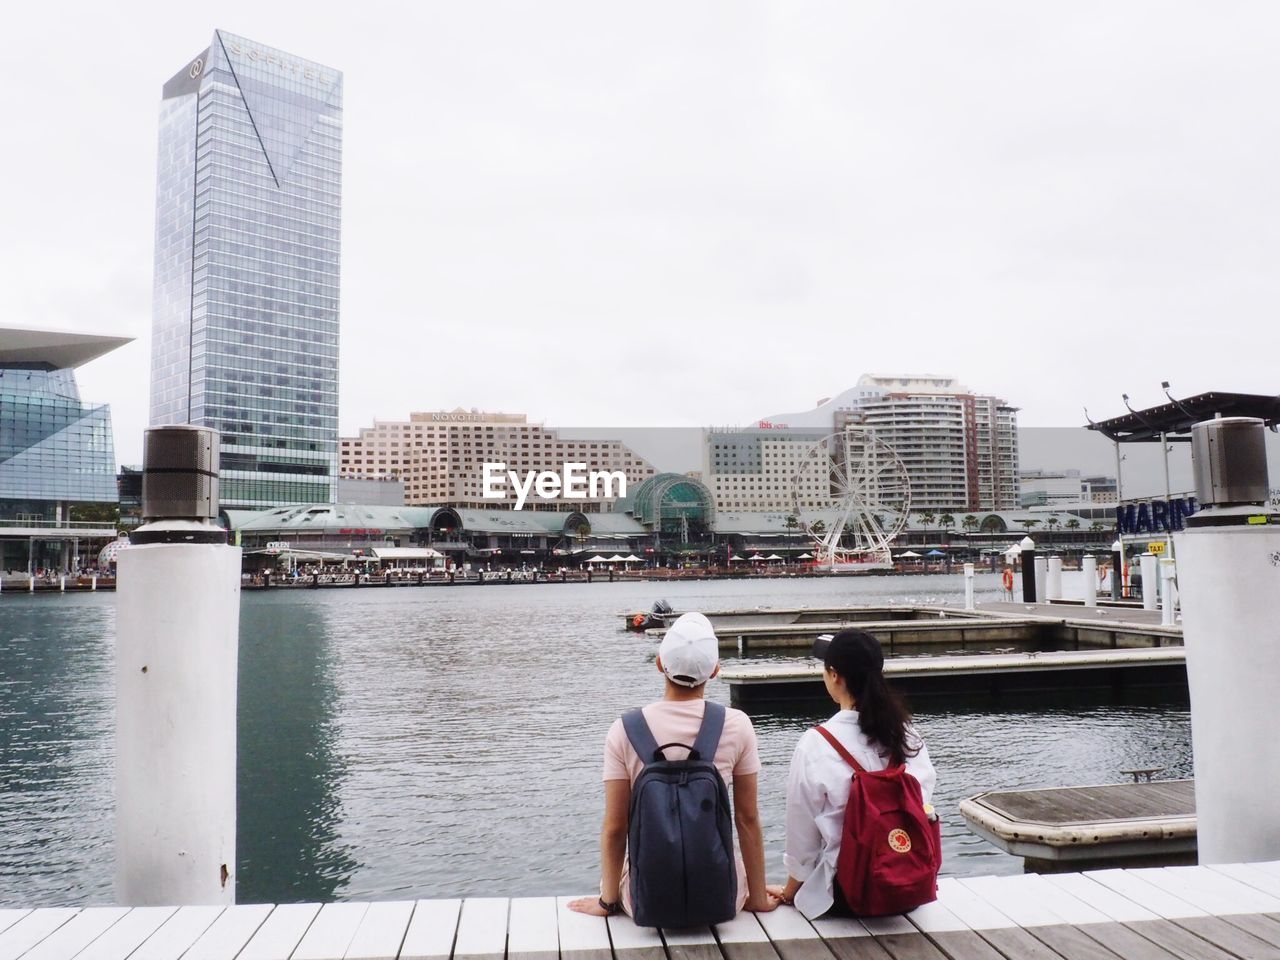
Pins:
x,y
588,905
778,893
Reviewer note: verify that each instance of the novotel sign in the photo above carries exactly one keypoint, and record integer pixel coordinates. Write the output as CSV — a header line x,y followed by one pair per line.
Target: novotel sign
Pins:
x,y
1154,516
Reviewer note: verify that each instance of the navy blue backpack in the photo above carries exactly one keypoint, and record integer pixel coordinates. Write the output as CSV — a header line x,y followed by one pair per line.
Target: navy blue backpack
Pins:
x,y
680,830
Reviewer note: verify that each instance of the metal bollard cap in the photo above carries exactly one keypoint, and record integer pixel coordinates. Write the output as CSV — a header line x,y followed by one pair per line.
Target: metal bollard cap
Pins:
x,y
180,473
1229,458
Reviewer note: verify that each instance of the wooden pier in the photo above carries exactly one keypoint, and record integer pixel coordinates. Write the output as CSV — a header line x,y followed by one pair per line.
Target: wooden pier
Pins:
x,y
1071,827
1176,913
978,672
1024,627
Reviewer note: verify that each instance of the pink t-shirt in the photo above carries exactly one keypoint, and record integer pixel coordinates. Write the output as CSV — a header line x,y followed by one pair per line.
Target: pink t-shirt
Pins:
x,y
677,721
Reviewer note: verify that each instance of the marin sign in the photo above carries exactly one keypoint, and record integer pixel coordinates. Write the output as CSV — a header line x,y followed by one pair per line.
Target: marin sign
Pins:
x,y
1155,516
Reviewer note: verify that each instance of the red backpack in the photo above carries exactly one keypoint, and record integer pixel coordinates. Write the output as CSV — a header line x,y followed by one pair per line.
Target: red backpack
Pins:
x,y
890,850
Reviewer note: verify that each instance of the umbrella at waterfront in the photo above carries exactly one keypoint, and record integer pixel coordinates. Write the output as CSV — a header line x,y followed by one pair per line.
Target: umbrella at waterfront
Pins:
x,y
935,553
773,556
909,554
631,558
735,557
597,559
805,556
617,558
755,556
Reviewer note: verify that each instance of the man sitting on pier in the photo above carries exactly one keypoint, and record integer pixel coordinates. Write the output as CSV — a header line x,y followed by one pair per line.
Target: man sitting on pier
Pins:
x,y
688,658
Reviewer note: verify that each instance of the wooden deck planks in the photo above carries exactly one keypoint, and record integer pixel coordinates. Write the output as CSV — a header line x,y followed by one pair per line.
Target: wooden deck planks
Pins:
x,y
1226,912
533,929
582,937
432,929
382,931
176,935
30,930
123,938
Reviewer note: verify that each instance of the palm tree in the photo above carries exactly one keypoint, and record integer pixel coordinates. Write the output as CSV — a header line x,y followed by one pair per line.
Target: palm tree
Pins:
x,y
792,522
1072,524
926,518
969,523
946,521
1028,524
1097,526
1050,522
818,528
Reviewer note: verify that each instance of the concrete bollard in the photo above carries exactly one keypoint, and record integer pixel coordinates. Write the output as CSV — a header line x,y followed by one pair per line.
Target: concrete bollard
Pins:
x,y
1229,583
62,583
178,603
1167,603
1149,566
31,584
968,587
1089,574
1053,579
93,584
1117,570
1027,565
1042,577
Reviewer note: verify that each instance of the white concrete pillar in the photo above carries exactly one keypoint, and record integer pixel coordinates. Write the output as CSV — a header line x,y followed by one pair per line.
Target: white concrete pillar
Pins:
x,y
1089,574
93,584
31,583
1150,580
178,609
177,636
1168,601
1230,589
968,587
1053,578
1041,567
62,583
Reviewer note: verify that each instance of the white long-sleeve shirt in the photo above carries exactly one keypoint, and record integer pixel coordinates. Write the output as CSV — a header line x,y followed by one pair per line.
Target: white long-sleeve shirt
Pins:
x,y
817,793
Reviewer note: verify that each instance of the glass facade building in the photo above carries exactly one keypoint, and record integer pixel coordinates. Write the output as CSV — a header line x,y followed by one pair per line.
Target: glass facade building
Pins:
x,y
246,300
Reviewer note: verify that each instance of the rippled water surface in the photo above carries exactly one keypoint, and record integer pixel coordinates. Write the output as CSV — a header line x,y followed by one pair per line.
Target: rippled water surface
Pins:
x,y
446,741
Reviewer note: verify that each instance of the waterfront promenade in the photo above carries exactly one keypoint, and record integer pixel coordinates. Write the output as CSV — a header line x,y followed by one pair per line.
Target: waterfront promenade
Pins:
x,y
1214,913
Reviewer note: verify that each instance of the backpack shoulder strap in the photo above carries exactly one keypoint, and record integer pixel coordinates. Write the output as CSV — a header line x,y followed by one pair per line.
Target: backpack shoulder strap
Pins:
x,y
641,736
709,733
848,757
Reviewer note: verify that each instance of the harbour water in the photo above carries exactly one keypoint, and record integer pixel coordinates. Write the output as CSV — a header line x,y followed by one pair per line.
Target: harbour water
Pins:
x,y
446,742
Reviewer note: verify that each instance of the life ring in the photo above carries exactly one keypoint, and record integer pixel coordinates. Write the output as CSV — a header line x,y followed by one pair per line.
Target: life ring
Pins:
x,y
638,621
1007,578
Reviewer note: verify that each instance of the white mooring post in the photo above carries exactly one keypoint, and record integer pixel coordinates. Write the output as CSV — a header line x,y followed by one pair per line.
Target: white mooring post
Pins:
x,y
968,587
1041,567
1053,579
1089,574
1149,565
1168,571
1229,583
62,583
178,611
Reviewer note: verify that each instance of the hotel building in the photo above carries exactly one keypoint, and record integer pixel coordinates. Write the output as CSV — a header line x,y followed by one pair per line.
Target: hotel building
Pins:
x,y
248,230
960,448
439,456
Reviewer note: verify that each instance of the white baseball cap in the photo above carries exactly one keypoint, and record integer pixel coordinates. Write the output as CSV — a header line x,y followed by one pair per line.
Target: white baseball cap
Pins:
x,y
690,651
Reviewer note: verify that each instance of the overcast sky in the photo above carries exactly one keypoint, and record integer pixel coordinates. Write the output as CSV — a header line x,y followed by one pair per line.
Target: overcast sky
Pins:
x,y
703,213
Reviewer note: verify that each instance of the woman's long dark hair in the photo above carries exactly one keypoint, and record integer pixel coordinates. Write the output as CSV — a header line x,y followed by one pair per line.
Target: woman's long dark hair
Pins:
x,y
882,715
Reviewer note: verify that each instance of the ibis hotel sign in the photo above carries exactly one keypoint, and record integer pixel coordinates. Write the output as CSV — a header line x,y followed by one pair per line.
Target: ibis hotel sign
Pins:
x,y
1154,516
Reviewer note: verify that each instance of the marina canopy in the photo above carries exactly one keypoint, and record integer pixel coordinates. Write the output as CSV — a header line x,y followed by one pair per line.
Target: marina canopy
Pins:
x,y
406,553
1176,418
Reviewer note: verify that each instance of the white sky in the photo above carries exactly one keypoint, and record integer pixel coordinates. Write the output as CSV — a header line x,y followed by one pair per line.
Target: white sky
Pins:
x,y
702,213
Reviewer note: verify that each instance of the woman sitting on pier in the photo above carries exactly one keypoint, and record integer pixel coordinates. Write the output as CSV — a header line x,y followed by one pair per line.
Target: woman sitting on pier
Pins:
x,y
874,726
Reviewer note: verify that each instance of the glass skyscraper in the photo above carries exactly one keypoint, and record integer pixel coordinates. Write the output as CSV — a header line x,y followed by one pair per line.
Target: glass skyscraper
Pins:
x,y
248,231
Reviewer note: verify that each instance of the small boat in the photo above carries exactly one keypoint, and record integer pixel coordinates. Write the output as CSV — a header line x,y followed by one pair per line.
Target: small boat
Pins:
x,y
657,617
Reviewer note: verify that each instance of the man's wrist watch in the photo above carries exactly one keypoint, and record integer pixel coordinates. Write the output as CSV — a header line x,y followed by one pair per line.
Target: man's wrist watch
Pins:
x,y
610,908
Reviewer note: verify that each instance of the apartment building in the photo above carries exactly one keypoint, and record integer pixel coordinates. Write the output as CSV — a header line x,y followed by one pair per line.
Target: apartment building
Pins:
x,y
439,457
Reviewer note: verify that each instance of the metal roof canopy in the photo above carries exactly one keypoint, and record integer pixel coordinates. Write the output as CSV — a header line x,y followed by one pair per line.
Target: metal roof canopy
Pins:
x,y
1176,418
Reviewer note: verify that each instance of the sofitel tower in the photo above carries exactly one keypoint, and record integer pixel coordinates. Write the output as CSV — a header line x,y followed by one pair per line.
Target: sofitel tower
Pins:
x,y
248,230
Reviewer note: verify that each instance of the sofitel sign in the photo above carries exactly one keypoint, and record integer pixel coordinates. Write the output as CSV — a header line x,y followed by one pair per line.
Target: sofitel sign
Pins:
x,y
1155,516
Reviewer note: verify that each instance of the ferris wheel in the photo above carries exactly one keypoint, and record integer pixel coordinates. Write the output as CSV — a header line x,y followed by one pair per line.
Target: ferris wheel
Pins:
x,y
852,495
